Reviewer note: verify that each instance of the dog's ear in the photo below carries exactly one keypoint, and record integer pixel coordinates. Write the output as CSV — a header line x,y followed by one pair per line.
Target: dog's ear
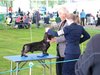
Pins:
x,y
48,36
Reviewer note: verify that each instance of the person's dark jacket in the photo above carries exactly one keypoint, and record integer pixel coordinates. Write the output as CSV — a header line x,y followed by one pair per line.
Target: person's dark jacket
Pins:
x,y
75,35
89,61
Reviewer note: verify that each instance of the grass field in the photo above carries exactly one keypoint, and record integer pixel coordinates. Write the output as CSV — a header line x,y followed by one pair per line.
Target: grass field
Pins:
x,y
12,40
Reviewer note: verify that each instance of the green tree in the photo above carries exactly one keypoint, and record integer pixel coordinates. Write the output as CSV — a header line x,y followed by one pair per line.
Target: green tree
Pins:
x,y
51,3
60,2
6,3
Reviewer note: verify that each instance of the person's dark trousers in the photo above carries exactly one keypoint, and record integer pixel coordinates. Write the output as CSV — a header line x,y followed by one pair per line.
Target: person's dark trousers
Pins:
x,y
26,25
98,22
46,20
33,20
69,67
37,23
11,19
58,64
82,22
20,25
17,23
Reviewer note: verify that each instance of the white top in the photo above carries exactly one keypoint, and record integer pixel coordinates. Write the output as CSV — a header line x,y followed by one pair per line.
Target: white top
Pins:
x,y
61,32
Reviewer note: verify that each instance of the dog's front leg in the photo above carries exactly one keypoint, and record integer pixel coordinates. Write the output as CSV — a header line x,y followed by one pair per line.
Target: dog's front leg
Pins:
x,y
45,52
25,50
47,47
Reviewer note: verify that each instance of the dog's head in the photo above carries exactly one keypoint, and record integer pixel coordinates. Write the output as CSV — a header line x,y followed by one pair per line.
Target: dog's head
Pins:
x,y
47,36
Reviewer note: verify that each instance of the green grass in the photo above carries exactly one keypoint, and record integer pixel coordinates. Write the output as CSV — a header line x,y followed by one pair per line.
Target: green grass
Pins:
x,y
12,40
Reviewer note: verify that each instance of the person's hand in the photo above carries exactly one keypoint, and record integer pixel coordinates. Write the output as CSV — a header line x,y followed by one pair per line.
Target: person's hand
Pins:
x,y
53,40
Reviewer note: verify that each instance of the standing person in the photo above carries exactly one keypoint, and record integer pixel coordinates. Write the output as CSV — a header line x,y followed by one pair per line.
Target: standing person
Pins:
x,y
98,18
26,22
37,18
61,42
47,19
10,14
19,10
82,16
74,35
57,19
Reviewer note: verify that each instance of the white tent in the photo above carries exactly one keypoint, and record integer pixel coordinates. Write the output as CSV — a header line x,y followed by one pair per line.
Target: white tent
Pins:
x,y
89,6
23,4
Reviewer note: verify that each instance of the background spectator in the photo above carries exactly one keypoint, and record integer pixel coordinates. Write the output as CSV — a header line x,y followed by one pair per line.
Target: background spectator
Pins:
x,y
82,16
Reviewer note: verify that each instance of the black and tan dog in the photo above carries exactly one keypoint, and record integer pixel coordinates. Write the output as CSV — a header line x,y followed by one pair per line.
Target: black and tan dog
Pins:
x,y
42,45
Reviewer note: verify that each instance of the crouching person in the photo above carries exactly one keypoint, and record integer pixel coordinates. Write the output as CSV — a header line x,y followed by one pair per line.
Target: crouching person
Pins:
x,y
89,61
8,19
27,22
17,22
